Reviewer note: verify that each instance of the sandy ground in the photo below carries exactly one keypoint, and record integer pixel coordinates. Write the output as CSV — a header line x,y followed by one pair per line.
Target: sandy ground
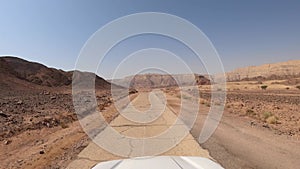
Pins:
x,y
236,144
46,148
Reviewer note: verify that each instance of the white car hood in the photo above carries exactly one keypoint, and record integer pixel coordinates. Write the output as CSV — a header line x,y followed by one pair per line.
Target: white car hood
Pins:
x,y
160,162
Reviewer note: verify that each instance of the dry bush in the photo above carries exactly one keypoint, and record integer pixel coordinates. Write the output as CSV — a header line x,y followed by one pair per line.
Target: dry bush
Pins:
x,y
264,87
266,115
250,113
269,118
64,125
272,120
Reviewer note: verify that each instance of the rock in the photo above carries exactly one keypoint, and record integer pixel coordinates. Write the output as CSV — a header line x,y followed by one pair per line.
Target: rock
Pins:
x,y
253,123
46,93
132,91
3,115
19,102
265,125
6,142
53,97
291,133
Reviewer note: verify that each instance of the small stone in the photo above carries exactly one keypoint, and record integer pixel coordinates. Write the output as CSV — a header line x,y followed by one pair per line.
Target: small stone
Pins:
x,y
52,97
42,151
19,102
265,125
6,142
46,93
3,115
252,123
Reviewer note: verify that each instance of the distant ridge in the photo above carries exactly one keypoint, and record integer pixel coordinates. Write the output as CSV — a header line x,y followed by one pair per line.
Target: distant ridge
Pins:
x,y
281,70
161,80
17,73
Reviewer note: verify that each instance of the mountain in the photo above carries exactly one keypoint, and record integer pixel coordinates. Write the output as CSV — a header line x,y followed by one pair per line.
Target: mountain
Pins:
x,y
16,73
282,70
36,73
161,80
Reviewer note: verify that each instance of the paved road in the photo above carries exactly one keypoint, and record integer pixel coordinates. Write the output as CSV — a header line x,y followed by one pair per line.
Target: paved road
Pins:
x,y
166,135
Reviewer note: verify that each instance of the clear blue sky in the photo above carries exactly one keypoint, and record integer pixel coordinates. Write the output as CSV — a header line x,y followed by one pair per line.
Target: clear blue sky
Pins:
x,y
244,33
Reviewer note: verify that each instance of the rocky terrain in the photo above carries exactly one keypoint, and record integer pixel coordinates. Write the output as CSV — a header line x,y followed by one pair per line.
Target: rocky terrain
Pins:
x,y
34,96
35,102
275,108
278,112
37,114
283,70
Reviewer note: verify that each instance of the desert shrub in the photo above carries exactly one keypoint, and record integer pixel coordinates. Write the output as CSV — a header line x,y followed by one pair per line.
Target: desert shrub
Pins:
x,y
298,87
266,115
272,120
250,112
287,88
264,87
64,125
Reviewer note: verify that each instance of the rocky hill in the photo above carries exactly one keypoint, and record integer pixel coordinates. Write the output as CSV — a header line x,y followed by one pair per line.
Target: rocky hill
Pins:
x,y
161,80
282,70
16,73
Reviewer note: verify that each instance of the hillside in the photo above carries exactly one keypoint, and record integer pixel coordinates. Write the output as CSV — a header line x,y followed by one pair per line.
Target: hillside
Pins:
x,y
16,73
161,80
282,70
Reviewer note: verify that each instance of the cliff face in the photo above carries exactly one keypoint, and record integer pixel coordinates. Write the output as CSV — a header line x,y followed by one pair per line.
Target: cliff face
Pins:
x,y
282,70
161,80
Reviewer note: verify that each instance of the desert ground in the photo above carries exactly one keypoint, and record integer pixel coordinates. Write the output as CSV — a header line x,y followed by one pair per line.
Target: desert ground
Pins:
x,y
247,136
51,139
260,127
